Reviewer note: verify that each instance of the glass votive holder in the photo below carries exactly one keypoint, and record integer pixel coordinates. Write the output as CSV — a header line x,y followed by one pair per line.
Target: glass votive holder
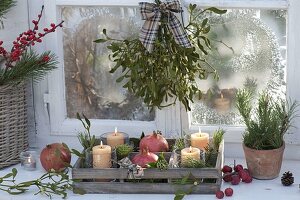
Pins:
x,y
187,140
28,160
114,139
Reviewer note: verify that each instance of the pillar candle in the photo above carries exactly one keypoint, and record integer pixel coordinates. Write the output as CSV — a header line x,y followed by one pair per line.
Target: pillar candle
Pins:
x,y
115,139
200,140
101,156
190,152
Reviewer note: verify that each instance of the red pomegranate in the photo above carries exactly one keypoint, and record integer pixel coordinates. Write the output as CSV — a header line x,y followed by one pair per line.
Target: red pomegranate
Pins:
x,y
144,157
154,143
55,156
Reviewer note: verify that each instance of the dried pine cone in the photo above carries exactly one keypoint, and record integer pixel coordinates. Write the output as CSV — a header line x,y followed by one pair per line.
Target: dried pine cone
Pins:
x,y
287,178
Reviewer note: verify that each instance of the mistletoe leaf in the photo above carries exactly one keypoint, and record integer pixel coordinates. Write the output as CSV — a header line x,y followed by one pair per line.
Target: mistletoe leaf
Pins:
x,y
14,172
100,40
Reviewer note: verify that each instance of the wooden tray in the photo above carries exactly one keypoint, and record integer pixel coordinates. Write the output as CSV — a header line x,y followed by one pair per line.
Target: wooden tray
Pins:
x,y
87,175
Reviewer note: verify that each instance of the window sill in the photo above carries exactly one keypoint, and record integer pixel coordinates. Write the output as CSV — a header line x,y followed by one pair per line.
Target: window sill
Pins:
x,y
265,189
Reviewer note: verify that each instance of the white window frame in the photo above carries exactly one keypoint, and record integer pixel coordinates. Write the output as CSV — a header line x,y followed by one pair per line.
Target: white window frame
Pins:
x,y
55,99
175,118
234,133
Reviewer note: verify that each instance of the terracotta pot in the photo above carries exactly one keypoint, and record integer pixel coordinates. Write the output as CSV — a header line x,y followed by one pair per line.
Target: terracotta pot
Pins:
x,y
264,164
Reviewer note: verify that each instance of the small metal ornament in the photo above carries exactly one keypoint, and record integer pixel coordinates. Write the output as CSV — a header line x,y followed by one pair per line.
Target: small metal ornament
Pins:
x,y
134,171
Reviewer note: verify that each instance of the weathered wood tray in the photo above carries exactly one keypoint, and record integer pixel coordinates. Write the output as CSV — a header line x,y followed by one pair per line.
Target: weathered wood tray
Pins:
x,y
121,186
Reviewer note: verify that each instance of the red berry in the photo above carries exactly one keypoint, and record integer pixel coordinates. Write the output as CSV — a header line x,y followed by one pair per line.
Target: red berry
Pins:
x,y
228,192
226,169
235,179
237,168
46,30
39,16
52,25
243,175
220,194
227,177
45,58
248,179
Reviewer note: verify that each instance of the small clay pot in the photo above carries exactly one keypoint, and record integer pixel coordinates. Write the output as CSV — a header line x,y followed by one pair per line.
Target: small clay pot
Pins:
x,y
264,164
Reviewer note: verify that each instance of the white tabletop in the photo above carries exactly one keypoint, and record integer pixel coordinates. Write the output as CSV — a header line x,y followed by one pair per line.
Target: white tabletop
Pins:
x,y
258,189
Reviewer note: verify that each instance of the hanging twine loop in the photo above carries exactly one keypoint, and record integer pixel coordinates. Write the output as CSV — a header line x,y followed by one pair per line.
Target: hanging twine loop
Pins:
x,y
152,14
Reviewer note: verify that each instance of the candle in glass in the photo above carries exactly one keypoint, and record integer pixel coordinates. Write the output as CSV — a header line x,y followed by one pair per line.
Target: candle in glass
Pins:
x,y
28,161
101,156
115,139
200,140
189,153
222,105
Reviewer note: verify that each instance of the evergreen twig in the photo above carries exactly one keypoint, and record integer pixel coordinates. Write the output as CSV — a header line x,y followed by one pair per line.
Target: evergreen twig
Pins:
x,y
31,66
5,6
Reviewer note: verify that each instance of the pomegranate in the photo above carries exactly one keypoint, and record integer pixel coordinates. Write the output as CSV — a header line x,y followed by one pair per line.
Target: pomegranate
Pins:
x,y
55,156
154,142
144,157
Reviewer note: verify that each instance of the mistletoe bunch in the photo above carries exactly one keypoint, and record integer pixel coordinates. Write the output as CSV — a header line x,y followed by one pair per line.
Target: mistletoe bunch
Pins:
x,y
169,72
20,63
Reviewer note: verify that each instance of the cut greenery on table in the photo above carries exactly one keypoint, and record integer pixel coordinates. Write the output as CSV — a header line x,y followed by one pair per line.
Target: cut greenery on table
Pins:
x,y
49,184
169,72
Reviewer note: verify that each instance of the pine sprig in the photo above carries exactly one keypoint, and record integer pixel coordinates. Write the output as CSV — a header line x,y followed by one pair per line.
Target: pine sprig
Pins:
x,y
31,66
5,6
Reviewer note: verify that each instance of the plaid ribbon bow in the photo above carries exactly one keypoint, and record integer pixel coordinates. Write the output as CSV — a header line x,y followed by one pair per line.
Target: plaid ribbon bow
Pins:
x,y
152,13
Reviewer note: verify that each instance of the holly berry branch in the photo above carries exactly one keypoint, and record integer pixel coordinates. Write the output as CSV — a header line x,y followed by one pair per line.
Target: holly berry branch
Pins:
x,y
19,63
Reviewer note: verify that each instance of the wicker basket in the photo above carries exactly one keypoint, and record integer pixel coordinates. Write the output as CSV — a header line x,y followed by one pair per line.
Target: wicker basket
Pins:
x,y
13,124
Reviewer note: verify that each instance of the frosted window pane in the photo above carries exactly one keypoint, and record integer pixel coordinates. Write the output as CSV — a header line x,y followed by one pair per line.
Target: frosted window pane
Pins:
x,y
90,88
257,61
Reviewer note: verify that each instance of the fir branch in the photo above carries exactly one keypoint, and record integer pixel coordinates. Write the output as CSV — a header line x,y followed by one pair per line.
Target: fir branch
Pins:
x,y
5,6
31,66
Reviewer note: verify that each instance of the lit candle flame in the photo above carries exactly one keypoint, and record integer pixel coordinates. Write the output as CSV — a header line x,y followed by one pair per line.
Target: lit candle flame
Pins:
x,y
116,130
191,149
221,95
101,144
199,130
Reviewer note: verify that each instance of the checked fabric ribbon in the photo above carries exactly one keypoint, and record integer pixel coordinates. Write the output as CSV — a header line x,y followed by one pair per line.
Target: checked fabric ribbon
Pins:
x,y
152,13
